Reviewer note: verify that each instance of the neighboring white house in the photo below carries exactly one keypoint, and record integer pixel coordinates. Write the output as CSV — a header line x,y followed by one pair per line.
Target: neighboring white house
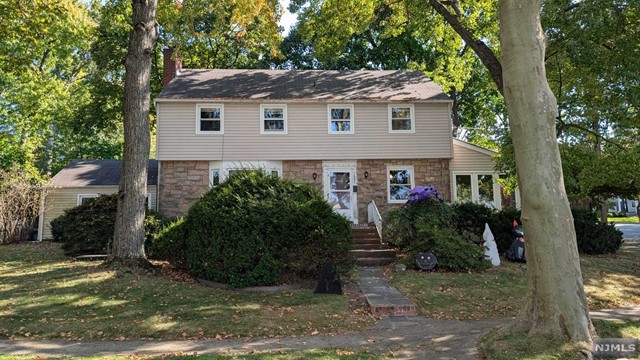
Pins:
x,y
624,205
86,179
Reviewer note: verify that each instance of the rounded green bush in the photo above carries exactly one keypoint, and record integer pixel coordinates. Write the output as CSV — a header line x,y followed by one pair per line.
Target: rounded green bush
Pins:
x,y
89,228
256,229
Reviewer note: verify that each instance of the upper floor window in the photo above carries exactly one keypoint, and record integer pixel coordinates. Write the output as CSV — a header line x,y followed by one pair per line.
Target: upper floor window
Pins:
x,y
209,119
273,119
340,119
401,119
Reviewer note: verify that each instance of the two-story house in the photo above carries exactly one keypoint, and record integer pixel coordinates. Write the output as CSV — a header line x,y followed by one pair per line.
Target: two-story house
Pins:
x,y
361,137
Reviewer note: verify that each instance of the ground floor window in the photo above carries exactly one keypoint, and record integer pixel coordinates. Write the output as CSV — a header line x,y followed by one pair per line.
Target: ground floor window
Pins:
x,y
83,198
400,181
220,171
478,187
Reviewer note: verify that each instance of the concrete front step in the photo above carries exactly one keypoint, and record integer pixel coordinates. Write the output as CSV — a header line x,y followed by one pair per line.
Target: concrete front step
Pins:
x,y
374,261
379,253
384,299
367,241
377,246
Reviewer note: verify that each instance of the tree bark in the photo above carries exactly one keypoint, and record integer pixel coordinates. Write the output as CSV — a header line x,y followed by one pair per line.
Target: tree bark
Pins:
x,y
128,242
556,301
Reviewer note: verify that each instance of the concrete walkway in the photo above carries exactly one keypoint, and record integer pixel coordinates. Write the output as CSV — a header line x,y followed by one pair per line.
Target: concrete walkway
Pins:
x,y
404,337
384,299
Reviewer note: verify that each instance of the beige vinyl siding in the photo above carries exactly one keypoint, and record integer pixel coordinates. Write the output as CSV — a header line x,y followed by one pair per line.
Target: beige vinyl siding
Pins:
x,y
465,159
307,137
60,199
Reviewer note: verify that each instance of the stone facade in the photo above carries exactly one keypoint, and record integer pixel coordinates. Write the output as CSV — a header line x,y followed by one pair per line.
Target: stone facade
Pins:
x,y
427,172
303,170
181,184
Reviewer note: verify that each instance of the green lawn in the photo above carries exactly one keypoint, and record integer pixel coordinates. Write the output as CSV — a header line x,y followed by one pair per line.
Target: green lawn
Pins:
x,y
610,281
504,346
45,295
624,220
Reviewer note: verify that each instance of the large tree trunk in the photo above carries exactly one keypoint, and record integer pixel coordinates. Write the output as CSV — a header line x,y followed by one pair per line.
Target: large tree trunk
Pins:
x,y
556,301
128,243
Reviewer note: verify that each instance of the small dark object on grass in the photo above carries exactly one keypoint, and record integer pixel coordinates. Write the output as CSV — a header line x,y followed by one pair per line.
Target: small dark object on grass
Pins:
x,y
328,281
426,261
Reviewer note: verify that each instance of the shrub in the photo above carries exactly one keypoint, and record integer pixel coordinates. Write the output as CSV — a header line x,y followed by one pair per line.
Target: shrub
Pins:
x,y
170,244
429,226
453,251
256,229
592,236
400,224
88,228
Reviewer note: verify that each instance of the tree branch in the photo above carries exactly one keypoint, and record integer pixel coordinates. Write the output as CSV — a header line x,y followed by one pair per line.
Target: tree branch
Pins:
x,y
486,55
563,125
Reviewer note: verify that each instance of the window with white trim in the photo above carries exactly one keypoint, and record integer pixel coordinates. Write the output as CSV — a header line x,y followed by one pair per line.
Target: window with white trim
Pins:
x,y
209,119
220,171
214,177
340,119
400,181
401,119
82,198
273,119
478,187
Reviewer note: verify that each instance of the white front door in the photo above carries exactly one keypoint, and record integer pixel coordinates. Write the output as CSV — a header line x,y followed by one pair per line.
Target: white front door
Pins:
x,y
339,188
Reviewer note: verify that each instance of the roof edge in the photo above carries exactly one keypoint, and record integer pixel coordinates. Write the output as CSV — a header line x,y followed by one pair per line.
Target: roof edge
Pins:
x,y
473,147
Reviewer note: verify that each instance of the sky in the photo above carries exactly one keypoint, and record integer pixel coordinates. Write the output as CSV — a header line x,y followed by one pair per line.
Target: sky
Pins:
x,y
288,19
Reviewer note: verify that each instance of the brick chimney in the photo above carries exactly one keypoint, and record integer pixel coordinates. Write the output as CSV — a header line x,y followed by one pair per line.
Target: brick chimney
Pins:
x,y
171,67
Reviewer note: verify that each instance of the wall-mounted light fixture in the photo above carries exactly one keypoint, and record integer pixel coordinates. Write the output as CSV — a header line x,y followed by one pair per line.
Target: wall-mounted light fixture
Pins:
x,y
314,176
366,174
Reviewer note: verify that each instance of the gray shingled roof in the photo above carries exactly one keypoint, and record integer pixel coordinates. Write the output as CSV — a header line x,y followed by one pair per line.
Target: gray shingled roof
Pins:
x,y
315,85
97,173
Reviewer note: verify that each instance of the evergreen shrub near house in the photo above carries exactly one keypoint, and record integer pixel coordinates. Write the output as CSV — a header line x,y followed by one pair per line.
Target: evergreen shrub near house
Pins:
x,y
170,243
594,237
256,229
429,225
88,228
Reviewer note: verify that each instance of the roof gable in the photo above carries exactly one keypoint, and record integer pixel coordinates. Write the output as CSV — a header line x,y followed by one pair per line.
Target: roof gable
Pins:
x,y
301,85
97,173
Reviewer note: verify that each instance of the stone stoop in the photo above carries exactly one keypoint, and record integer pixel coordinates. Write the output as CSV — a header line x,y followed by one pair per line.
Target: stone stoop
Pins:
x,y
369,250
383,299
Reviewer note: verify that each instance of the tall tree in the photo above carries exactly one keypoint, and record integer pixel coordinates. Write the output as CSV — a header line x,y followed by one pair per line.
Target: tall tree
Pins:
x,y
128,242
556,301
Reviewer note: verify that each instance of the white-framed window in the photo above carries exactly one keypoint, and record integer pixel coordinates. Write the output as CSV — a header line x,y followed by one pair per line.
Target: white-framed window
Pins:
x,y
209,119
340,119
82,198
220,171
400,181
273,119
402,118
214,177
478,187
148,201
